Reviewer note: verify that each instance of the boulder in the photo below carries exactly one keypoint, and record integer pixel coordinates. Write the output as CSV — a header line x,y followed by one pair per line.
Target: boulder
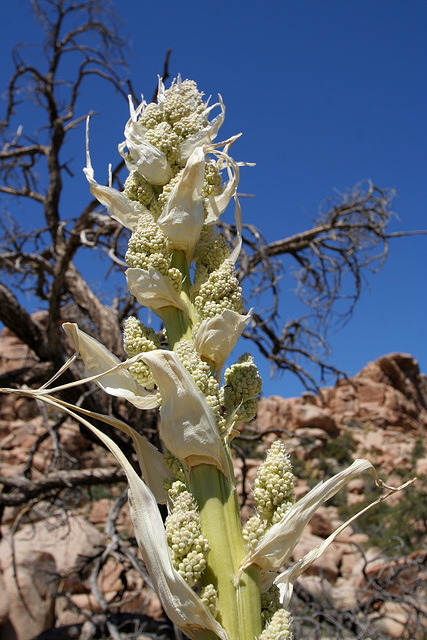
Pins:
x,y
31,590
45,552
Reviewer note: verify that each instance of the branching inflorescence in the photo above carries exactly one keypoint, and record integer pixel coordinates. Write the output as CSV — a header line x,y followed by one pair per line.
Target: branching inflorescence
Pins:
x,y
214,578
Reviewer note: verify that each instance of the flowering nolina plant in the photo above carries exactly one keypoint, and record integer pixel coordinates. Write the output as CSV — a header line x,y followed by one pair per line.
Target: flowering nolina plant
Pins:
x,y
214,578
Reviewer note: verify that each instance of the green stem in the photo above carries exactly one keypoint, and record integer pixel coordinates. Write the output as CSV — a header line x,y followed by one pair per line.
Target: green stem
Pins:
x,y
239,606
178,324
179,261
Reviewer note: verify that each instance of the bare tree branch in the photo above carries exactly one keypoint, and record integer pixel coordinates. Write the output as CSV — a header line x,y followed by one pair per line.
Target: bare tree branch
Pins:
x,y
20,489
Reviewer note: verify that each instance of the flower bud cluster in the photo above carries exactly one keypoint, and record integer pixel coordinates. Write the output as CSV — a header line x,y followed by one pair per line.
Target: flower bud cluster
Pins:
x,y
179,114
202,375
180,107
167,190
163,137
274,484
213,180
139,339
220,291
270,603
196,367
209,596
252,532
187,545
138,189
175,466
280,627
242,385
210,255
175,489
148,247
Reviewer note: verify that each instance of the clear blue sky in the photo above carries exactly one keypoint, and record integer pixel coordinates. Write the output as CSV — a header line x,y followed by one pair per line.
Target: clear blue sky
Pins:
x,y
326,94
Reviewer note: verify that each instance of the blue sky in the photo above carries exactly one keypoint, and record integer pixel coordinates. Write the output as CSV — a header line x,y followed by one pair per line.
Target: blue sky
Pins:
x,y
326,94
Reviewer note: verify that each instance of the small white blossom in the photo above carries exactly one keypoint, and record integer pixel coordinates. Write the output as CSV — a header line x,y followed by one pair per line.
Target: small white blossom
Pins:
x,y
279,628
274,484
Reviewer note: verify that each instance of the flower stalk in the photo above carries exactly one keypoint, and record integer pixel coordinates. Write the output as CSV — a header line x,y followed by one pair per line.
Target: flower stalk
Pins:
x,y
214,579
239,604
179,325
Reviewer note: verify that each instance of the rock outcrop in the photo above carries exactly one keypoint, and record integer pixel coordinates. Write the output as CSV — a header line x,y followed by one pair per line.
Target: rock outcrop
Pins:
x,y
383,409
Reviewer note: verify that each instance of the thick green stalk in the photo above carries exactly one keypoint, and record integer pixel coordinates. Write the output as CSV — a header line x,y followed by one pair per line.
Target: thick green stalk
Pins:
x,y
178,324
239,606
179,261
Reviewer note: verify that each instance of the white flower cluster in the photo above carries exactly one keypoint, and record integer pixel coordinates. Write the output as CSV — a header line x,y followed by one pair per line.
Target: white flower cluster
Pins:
x,y
201,373
198,369
221,290
280,627
180,113
187,544
138,189
253,531
138,338
242,386
209,596
274,485
177,117
210,254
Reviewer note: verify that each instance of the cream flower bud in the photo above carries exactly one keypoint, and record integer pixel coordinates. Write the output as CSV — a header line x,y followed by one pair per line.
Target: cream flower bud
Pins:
x,y
175,489
274,484
252,532
146,242
137,339
209,596
138,189
242,385
186,542
280,627
196,367
220,290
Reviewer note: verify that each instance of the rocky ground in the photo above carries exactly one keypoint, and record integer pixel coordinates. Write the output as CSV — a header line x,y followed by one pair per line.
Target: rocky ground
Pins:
x,y
66,558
